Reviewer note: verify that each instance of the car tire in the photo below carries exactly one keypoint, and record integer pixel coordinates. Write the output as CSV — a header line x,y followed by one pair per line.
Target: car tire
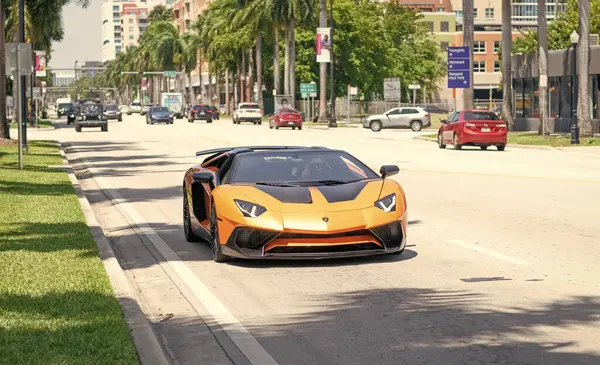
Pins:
x,y
104,128
299,128
260,123
270,127
77,128
293,128
483,147
416,126
501,147
439,141
190,236
128,113
190,121
209,121
455,143
277,127
120,119
376,126
215,244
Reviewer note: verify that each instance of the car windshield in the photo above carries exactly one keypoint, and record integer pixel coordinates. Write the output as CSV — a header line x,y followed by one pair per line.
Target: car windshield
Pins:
x,y
199,107
64,106
288,111
299,168
135,104
160,109
480,116
249,106
111,107
91,107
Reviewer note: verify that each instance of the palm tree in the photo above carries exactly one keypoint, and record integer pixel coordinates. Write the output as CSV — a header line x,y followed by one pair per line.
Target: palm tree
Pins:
x,y
160,13
190,59
323,67
583,109
543,66
468,34
4,129
507,102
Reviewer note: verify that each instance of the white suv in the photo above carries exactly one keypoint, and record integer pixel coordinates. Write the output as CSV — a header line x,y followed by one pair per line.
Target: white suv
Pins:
x,y
134,108
247,112
415,118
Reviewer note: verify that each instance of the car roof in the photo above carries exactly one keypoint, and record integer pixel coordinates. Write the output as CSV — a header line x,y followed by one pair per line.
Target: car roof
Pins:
x,y
250,149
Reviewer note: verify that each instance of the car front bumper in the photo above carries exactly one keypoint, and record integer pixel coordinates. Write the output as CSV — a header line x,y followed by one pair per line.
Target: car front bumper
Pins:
x,y
91,123
112,116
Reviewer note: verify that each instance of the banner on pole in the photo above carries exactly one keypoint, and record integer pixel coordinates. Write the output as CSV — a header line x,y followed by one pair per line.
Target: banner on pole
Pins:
x,y
323,45
40,63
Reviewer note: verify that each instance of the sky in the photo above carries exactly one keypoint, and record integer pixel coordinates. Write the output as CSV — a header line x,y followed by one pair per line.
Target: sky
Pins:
x,y
82,36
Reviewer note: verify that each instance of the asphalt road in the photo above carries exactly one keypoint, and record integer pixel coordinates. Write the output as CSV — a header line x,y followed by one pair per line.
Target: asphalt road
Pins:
x,y
502,264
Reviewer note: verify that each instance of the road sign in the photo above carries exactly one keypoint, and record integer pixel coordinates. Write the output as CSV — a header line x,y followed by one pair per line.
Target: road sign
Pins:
x,y
391,89
25,58
308,88
414,87
459,67
170,73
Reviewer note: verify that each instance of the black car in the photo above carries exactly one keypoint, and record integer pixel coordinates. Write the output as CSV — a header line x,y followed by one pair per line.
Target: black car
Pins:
x,y
159,114
113,112
200,112
72,114
91,115
63,108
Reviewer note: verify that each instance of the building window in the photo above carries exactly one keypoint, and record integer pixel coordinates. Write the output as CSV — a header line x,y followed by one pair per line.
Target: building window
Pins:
x,y
478,66
444,46
475,13
497,66
444,26
115,7
130,21
131,29
116,15
131,36
118,40
440,10
497,47
117,28
489,13
429,26
118,49
479,47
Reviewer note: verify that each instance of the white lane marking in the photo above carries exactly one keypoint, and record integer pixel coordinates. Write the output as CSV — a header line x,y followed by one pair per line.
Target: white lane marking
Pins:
x,y
492,253
247,344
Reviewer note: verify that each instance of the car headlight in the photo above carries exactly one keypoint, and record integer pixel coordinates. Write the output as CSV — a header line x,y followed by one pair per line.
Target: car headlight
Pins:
x,y
387,203
248,209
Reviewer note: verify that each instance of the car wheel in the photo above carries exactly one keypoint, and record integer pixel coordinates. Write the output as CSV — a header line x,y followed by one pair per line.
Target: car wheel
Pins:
x,y
260,123
299,128
190,236
270,126
209,121
104,128
77,128
120,119
439,141
455,143
416,126
501,147
293,128
277,127
215,244
483,147
376,126
190,121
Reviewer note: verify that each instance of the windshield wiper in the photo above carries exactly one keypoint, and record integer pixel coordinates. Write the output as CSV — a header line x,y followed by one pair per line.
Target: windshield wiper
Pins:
x,y
332,182
267,183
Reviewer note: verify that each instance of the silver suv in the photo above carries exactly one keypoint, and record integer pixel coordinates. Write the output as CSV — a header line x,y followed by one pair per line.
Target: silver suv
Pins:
x,y
415,118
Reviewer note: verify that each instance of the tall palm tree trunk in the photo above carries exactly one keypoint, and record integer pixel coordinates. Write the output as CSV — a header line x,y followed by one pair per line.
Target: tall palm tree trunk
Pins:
x,y
323,67
240,83
190,87
218,90
583,105
259,81
276,70
250,83
507,98
244,79
227,101
209,89
200,86
292,73
543,66
468,34
4,129
286,67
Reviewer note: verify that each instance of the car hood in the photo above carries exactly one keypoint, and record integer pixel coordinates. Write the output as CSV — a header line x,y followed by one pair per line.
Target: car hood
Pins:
x,y
161,115
377,116
312,199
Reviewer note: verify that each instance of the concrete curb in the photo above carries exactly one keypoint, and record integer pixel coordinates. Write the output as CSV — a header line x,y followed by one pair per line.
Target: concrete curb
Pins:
x,y
150,351
521,146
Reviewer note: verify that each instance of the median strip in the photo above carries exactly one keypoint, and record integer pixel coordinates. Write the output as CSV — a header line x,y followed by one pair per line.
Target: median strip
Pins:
x,y
56,301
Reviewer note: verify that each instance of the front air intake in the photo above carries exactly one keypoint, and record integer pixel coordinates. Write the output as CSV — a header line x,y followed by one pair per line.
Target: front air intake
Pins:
x,y
390,234
252,239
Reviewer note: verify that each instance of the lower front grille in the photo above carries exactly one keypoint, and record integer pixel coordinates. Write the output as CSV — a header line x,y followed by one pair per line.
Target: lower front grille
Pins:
x,y
366,246
326,235
252,238
390,235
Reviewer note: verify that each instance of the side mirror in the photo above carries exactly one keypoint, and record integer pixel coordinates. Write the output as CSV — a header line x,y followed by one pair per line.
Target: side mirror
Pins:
x,y
443,121
388,170
203,177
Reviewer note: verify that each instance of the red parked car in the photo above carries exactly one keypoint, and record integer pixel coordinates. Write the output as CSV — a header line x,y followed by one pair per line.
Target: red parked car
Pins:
x,y
286,117
473,128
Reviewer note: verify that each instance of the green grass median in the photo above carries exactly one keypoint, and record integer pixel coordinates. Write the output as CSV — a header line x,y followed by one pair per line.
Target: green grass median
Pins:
x,y
533,139
56,302
42,123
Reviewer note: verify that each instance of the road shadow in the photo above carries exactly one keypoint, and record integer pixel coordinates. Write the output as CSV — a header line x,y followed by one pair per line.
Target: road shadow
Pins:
x,y
423,326
45,237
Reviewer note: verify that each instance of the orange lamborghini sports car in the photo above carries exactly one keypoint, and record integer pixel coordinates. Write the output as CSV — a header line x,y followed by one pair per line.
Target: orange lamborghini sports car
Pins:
x,y
292,202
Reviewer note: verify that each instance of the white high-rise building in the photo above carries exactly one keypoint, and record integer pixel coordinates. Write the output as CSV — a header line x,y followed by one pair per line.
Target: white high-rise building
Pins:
x,y
122,24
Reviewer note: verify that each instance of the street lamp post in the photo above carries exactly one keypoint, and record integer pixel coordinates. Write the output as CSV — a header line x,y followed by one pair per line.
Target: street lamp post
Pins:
x,y
574,101
332,119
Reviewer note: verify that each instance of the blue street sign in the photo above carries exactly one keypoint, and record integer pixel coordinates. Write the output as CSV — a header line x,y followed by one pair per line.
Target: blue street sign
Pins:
x,y
459,67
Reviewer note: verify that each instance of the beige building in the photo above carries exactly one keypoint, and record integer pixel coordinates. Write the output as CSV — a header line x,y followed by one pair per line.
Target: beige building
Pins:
x,y
134,21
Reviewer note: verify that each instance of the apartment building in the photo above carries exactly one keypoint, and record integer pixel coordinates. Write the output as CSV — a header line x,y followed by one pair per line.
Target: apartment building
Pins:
x,y
428,6
134,22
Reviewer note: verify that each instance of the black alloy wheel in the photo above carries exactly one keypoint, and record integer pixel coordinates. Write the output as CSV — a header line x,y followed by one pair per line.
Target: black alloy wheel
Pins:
x,y
215,244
